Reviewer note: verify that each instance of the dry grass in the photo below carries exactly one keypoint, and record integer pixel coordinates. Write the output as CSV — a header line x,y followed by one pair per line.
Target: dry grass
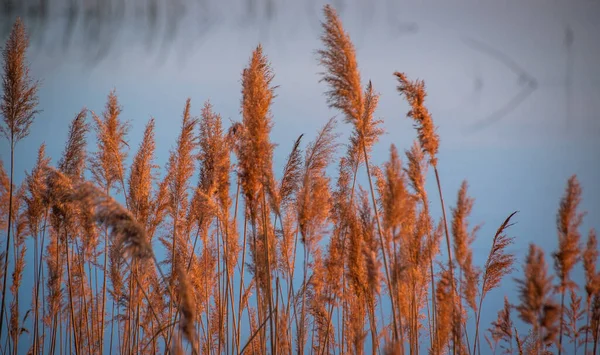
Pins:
x,y
202,255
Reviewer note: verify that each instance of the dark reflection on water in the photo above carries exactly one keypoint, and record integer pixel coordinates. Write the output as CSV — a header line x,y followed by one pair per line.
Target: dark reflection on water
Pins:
x,y
93,29
55,25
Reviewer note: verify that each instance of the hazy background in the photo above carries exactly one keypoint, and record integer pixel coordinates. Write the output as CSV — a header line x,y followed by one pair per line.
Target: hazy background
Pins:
x,y
514,87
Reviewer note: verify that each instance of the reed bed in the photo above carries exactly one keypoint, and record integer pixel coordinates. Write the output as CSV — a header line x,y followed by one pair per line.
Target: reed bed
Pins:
x,y
220,253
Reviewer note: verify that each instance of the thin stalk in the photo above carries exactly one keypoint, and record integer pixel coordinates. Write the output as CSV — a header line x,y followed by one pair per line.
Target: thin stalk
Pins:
x,y
218,296
255,333
175,220
240,308
118,325
450,263
562,308
10,202
467,338
587,323
37,285
83,301
373,326
69,287
432,276
596,340
127,341
92,308
229,286
290,296
112,318
302,315
35,290
16,300
156,334
276,307
104,272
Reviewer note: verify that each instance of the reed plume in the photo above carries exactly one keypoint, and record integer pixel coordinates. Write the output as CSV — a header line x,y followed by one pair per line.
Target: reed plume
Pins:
x,y
595,322
187,308
36,190
73,159
592,278
214,155
285,207
415,94
502,328
18,106
107,163
343,77
463,238
537,307
445,312
256,151
4,197
395,198
19,91
314,196
142,177
292,175
568,221
498,264
574,315
127,234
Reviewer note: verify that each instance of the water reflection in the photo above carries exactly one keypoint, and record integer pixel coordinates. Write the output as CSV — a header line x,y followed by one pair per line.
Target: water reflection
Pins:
x,y
95,29
156,24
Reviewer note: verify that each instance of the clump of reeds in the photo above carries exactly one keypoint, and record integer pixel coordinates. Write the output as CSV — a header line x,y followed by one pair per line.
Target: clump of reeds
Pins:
x,y
370,276
415,93
358,106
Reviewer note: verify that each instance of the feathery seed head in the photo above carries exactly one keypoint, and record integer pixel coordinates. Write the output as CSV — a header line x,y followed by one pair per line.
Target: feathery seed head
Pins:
x,y
414,91
568,221
19,92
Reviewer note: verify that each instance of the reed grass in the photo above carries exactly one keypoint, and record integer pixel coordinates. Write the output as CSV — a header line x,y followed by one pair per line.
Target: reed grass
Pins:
x,y
216,252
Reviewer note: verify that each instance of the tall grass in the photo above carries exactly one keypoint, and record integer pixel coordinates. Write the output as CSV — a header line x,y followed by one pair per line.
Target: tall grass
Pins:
x,y
220,253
